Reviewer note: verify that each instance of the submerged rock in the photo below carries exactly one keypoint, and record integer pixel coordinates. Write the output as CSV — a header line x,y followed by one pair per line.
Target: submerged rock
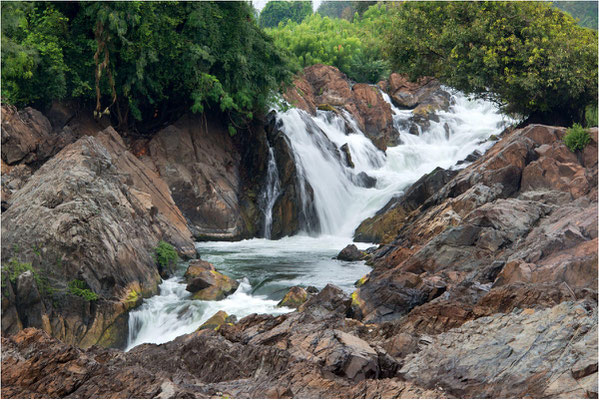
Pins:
x,y
206,283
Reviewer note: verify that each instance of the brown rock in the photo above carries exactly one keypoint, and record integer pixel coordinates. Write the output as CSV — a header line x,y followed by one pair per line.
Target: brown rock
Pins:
x,y
351,253
216,321
295,297
206,283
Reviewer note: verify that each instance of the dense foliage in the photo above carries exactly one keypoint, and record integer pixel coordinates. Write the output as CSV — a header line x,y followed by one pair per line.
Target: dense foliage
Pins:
x,y
150,60
529,57
353,47
275,12
79,288
577,138
584,11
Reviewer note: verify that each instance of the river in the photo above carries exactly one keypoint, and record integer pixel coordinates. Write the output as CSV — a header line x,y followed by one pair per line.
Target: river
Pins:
x,y
267,268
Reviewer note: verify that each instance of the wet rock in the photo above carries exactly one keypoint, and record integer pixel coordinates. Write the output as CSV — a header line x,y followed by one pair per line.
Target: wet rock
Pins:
x,y
217,320
295,297
364,180
347,154
199,162
351,253
206,283
94,213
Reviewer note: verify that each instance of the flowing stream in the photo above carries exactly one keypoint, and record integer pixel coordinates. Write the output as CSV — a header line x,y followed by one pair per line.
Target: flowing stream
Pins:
x,y
343,197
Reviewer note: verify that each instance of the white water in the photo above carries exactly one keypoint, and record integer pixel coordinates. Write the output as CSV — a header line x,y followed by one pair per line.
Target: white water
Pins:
x,y
268,268
341,204
270,192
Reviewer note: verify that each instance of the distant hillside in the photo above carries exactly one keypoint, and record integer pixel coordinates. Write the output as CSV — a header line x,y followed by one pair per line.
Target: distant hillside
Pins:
x,y
585,11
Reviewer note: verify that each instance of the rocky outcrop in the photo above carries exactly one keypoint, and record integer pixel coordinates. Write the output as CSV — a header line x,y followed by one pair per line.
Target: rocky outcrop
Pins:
x,y
206,283
217,320
198,160
425,97
90,217
325,87
383,226
524,213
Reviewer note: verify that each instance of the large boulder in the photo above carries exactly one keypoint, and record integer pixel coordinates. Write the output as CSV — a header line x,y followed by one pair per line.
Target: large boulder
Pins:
x,y
351,253
206,283
197,159
295,297
92,214
325,87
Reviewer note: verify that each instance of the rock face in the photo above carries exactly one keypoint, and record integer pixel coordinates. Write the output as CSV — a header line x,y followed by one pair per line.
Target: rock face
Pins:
x,y
325,87
524,213
206,283
92,213
383,226
198,160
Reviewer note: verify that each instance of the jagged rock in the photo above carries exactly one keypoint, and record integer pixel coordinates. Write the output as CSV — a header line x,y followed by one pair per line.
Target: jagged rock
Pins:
x,y
481,228
383,225
529,352
329,301
351,253
94,213
324,84
206,283
295,297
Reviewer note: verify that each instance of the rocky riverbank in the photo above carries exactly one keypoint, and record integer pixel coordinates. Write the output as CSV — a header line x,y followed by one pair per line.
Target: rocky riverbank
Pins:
x,y
485,286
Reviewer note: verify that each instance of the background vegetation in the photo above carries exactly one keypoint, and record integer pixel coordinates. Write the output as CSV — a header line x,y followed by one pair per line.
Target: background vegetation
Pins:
x,y
146,63
140,61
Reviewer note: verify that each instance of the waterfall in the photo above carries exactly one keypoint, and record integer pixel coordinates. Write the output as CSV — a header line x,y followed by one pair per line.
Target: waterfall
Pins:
x,y
342,197
270,192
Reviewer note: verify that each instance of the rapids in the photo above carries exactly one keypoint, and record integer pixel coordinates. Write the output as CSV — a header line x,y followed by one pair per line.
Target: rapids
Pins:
x,y
268,268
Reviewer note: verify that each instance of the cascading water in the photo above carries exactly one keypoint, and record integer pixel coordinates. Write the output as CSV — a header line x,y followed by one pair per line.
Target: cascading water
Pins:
x,y
342,197
270,192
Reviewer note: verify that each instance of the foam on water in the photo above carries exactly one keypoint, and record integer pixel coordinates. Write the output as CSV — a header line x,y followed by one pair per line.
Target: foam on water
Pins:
x,y
267,268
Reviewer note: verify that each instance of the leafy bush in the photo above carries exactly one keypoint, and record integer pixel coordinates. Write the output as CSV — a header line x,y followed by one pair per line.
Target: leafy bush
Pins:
x,y
577,138
79,288
166,256
531,58
14,268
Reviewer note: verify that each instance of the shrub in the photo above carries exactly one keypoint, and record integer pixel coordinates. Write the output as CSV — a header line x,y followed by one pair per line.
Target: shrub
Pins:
x,y
79,288
577,138
14,268
166,256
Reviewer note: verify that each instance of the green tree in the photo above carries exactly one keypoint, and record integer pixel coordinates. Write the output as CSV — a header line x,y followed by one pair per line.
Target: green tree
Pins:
x,y
143,63
353,47
529,57
275,12
33,67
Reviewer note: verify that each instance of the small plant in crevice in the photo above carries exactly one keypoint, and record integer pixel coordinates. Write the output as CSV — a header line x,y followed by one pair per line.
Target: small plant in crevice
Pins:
x,y
165,256
79,288
15,268
577,138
